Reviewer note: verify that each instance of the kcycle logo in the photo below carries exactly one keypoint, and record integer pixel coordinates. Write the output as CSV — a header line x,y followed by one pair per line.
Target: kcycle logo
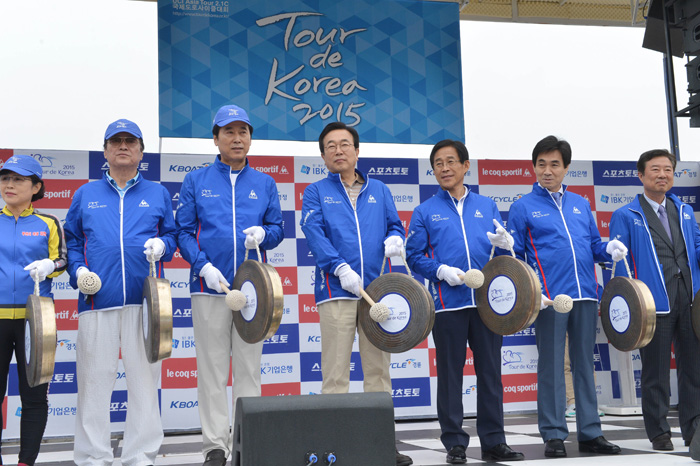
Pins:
x,y
407,364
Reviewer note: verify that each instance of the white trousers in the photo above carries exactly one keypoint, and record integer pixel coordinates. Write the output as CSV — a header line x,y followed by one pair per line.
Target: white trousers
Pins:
x,y
101,334
218,344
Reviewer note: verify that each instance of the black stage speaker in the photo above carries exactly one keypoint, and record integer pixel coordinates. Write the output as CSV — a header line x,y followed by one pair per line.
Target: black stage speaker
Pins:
x,y
693,72
683,10
691,36
353,429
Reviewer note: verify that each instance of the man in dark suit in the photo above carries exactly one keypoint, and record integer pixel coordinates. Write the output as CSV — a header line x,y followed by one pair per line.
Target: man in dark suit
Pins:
x,y
664,244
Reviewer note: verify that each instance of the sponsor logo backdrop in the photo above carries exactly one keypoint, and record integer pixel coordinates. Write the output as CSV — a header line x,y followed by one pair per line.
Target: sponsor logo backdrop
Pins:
x,y
291,363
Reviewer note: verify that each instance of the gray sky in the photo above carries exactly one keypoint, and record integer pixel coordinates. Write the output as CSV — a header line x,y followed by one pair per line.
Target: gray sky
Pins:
x,y
70,67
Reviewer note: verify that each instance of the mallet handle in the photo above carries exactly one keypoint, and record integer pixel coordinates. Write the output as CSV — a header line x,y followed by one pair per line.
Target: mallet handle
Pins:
x,y
224,287
366,297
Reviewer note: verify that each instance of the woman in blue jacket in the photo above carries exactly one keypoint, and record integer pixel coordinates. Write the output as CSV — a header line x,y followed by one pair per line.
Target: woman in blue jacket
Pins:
x,y
34,238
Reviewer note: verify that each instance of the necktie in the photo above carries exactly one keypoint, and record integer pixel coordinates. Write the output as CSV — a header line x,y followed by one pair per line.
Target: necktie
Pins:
x,y
664,221
557,198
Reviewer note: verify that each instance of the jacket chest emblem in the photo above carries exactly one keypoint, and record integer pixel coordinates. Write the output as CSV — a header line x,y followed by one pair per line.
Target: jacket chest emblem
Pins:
x,y
96,205
208,193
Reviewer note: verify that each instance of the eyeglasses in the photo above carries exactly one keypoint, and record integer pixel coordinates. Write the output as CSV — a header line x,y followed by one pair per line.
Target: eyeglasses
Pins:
x,y
449,164
117,141
15,179
345,147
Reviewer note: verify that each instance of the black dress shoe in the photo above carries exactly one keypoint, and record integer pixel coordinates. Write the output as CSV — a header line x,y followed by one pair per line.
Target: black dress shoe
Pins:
x,y
215,458
501,452
598,445
662,442
695,444
456,455
554,448
403,460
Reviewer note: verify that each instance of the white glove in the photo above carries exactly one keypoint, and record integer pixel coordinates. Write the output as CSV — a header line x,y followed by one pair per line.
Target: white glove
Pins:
x,y
212,276
393,246
452,275
349,279
155,247
543,300
616,249
41,268
501,239
253,237
80,271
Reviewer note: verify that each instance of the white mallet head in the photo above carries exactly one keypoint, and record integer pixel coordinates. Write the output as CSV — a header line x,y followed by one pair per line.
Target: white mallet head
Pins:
x,y
474,278
235,300
379,312
89,283
563,303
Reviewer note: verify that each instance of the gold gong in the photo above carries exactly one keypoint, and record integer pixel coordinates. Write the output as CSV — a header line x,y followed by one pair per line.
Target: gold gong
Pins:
x,y
157,317
39,339
412,313
261,316
628,313
509,299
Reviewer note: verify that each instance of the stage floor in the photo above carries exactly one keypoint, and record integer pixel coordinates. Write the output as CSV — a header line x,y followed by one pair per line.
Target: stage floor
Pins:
x,y
421,441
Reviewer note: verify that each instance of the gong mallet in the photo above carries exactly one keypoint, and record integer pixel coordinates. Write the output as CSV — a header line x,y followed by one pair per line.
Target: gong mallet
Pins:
x,y
561,302
89,283
379,312
235,299
473,278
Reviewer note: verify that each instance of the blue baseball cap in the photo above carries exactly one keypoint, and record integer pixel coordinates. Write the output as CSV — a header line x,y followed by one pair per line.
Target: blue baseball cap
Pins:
x,y
230,113
24,165
123,126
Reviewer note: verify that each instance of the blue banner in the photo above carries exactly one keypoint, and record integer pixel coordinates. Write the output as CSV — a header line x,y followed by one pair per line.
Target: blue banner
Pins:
x,y
389,68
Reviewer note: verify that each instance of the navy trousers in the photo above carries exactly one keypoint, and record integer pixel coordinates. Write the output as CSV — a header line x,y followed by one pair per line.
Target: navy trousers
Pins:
x,y
551,328
677,328
451,332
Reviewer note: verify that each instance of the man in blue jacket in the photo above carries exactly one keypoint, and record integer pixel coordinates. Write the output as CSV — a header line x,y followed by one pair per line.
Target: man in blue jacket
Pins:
x,y
449,235
225,208
664,242
108,225
555,233
351,223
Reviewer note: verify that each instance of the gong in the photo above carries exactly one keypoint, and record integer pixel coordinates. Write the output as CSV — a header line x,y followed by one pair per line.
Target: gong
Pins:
x,y
509,299
157,317
628,312
262,313
411,317
39,338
